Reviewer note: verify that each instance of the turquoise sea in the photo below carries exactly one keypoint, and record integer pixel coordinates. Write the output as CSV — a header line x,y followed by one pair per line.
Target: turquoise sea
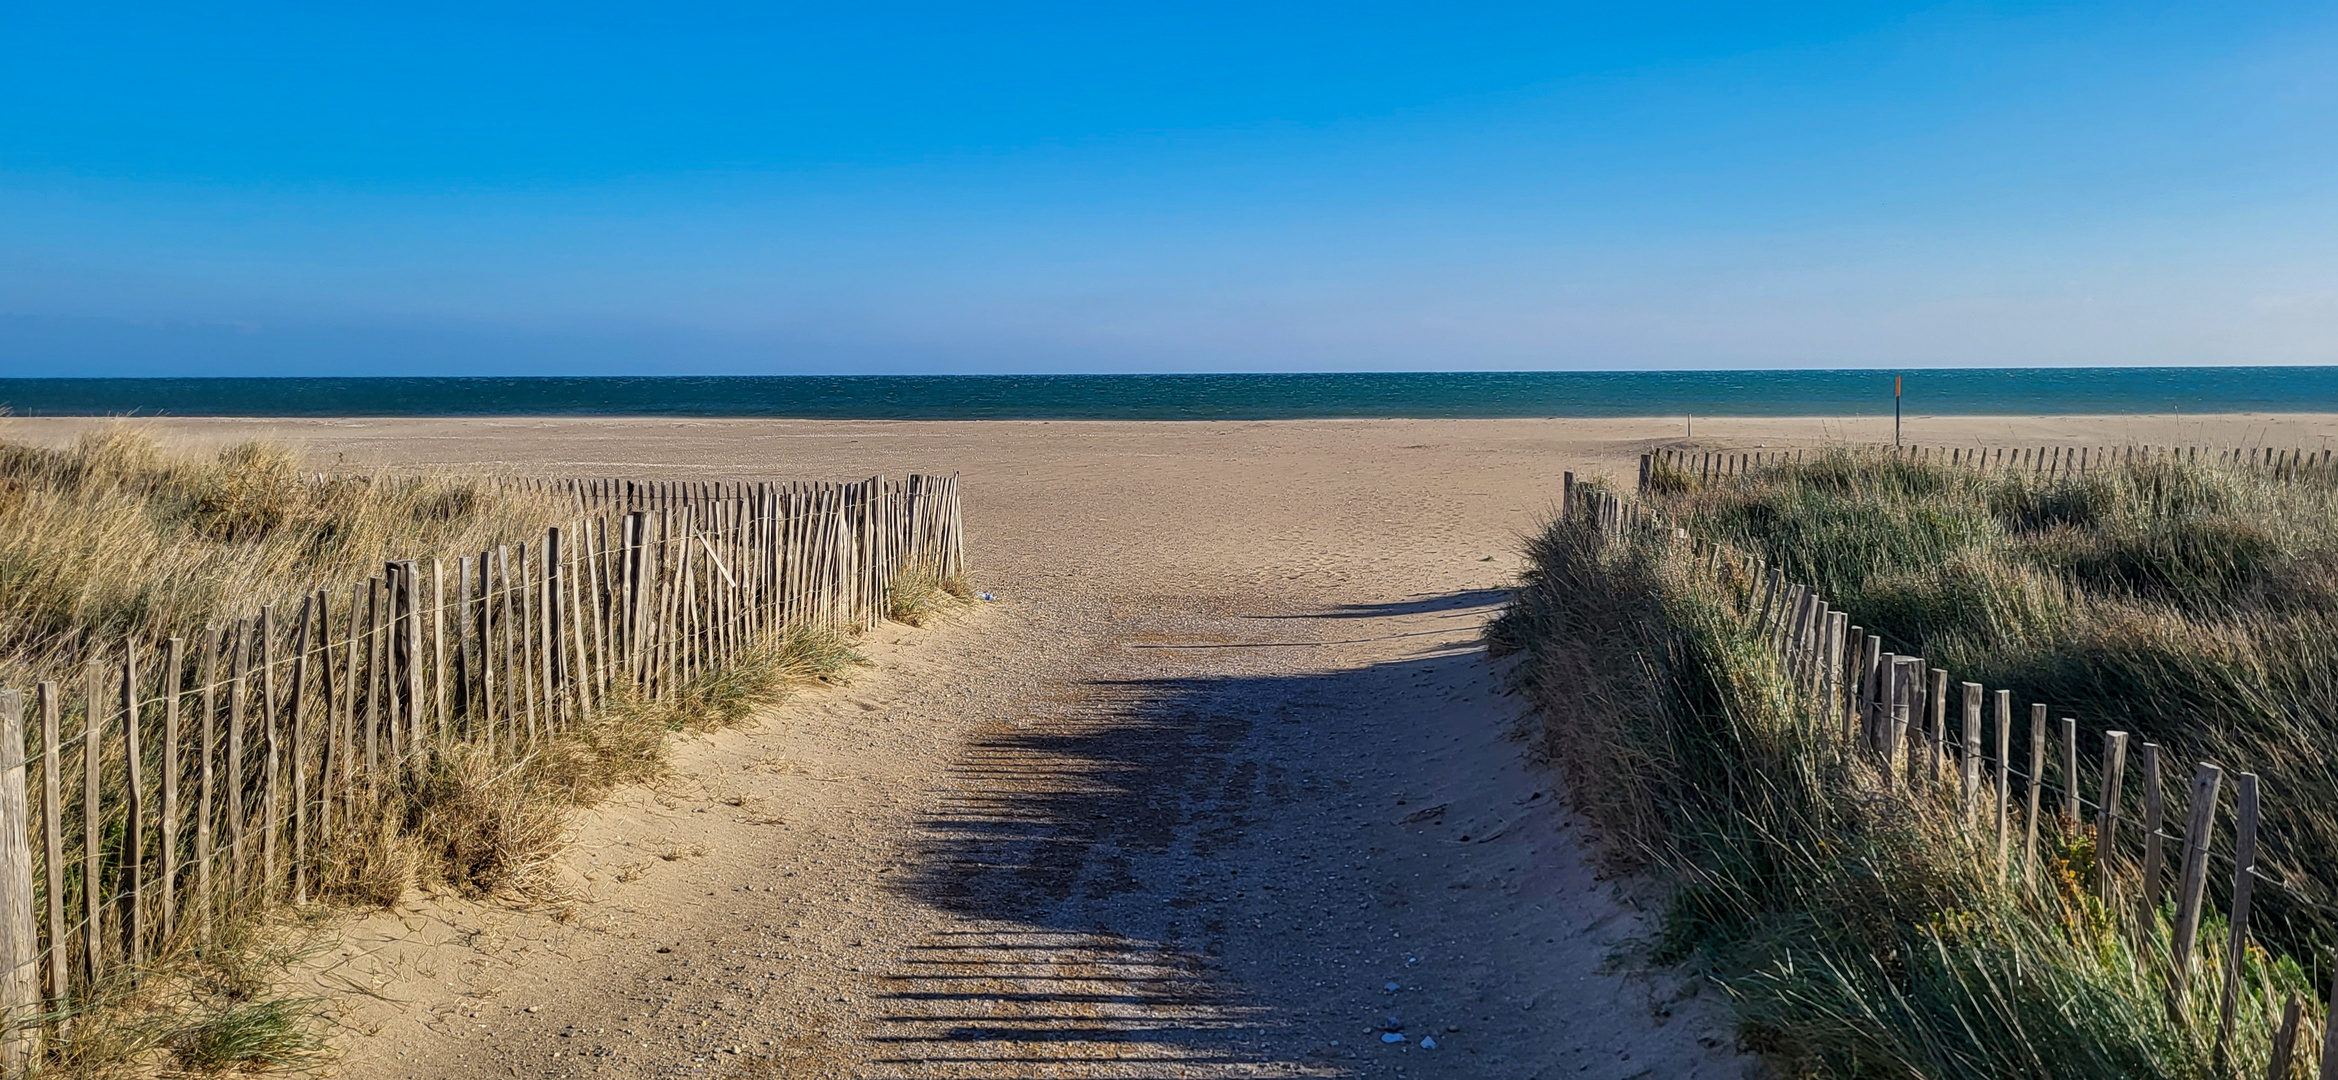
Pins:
x,y
1964,391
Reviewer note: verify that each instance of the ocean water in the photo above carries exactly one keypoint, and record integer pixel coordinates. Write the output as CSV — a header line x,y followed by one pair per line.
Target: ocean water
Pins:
x,y
1209,397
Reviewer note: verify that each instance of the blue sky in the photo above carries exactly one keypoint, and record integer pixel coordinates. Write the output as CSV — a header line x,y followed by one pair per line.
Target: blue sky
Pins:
x,y
693,188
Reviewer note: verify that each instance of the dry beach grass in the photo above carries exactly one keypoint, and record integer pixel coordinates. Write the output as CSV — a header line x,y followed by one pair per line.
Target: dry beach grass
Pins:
x,y
110,537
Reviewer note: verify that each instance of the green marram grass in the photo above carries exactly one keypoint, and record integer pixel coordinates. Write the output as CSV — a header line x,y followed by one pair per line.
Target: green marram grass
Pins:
x,y
2193,606
1860,934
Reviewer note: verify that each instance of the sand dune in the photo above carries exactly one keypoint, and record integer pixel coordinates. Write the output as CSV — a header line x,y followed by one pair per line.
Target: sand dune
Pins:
x,y
1219,766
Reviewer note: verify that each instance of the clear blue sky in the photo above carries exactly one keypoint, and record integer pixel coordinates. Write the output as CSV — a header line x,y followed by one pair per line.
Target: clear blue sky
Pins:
x,y
691,188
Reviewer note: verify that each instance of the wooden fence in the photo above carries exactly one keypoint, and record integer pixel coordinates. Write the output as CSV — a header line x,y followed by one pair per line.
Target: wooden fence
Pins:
x,y
1707,465
165,781
1897,708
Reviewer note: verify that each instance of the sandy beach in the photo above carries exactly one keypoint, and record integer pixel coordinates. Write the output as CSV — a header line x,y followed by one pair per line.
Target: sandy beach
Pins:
x,y
1218,785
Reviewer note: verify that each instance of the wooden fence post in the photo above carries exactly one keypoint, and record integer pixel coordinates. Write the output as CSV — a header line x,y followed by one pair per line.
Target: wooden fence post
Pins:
x,y
1870,663
1830,688
2106,829
1907,683
602,599
1936,707
441,719
238,700
2154,809
2329,1068
417,714
2004,700
93,737
483,723
466,669
390,681
1881,686
271,783
205,781
2244,879
133,852
1970,771
2194,879
548,651
53,841
296,712
20,950
2285,1040
329,694
1911,736
376,635
510,652
173,690
1790,616
2029,849
2069,773
341,749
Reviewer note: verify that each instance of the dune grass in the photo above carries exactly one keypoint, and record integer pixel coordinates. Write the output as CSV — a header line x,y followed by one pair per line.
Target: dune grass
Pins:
x,y
2194,606
114,537
1859,936
918,598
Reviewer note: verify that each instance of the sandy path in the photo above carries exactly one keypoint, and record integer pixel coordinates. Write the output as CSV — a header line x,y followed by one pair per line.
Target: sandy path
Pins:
x,y
1220,767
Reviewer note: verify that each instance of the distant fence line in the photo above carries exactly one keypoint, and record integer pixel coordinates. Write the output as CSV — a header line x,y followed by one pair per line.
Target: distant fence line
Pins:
x,y
1708,465
1895,707
272,738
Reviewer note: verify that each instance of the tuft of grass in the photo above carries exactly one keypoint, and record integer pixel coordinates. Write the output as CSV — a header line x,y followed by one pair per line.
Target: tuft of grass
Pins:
x,y
255,1036
728,695
1670,479
1857,935
918,597
212,1009
484,827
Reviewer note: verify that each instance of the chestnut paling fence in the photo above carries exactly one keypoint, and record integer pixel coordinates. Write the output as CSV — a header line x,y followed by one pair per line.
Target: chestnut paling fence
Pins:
x,y
143,794
1896,708
1707,465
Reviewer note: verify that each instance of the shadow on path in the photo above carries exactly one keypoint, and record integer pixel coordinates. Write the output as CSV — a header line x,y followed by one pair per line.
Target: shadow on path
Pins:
x,y
1137,880
1468,601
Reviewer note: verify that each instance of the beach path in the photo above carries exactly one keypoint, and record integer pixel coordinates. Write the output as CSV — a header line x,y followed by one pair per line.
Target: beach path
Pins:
x,y
1221,784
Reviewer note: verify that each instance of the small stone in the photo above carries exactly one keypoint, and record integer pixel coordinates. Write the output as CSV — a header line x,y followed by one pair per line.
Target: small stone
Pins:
x,y
1392,988
1428,1042
1391,1037
531,1008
